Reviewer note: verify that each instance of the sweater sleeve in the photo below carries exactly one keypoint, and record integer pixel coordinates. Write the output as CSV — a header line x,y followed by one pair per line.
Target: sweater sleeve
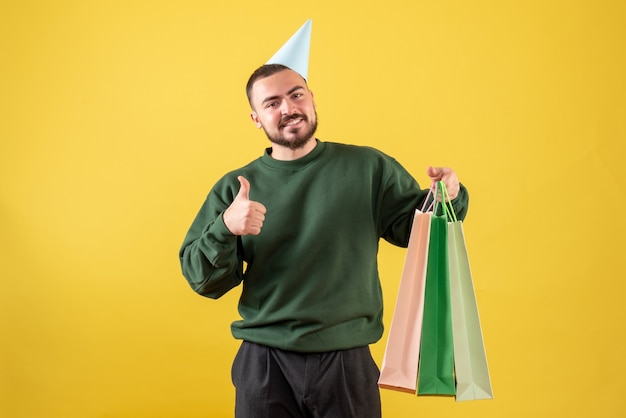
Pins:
x,y
401,197
210,255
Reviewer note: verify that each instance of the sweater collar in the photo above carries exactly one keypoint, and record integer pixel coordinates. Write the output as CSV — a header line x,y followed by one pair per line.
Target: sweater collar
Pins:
x,y
293,165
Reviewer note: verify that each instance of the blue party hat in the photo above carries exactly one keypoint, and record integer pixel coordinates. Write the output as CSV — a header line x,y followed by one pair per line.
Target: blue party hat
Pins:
x,y
295,52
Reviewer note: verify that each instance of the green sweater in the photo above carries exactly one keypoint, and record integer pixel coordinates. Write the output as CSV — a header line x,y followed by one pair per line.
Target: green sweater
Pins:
x,y
310,281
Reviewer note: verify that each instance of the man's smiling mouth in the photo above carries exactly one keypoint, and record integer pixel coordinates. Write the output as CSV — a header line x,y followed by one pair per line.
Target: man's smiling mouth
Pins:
x,y
291,121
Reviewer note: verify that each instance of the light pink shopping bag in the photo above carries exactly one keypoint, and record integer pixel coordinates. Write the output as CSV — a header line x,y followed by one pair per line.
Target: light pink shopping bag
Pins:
x,y
401,359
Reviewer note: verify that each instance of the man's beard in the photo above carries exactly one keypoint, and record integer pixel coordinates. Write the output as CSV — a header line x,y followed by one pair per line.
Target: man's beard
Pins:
x,y
299,140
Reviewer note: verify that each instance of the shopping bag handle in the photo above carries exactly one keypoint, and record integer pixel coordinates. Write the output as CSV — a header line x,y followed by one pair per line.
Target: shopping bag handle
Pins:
x,y
448,209
430,194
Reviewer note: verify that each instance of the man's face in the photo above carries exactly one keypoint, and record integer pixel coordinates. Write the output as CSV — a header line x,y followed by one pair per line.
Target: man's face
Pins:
x,y
283,106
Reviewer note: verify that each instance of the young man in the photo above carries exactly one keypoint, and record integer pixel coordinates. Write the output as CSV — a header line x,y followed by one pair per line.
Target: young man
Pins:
x,y
305,219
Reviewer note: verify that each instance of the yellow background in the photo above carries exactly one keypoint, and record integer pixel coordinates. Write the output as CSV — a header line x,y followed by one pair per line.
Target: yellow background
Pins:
x,y
118,116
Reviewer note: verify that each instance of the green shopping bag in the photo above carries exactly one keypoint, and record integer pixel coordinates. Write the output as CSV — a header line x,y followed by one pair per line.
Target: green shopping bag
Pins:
x,y
436,363
470,360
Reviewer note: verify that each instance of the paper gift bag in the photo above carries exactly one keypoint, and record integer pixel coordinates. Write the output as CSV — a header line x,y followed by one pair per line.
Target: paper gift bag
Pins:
x,y
470,360
436,363
399,366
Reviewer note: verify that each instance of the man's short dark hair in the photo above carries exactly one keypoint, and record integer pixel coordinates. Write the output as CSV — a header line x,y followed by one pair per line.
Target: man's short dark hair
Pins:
x,y
263,72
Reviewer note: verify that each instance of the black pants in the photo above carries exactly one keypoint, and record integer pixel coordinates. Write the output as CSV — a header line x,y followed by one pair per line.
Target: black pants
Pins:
x,y
272,383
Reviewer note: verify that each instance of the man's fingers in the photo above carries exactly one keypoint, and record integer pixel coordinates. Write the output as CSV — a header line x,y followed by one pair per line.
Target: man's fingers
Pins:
x,y
448,176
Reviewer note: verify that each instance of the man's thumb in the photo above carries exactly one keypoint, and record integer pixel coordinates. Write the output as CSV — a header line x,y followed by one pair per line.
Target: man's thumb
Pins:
x,y
434,173
244,189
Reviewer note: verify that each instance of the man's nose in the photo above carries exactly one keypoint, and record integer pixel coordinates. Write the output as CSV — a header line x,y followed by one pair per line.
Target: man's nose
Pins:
x,y
286,107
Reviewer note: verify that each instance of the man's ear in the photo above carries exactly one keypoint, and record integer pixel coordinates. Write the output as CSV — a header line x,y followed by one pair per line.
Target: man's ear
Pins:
x,y
255,119
312,99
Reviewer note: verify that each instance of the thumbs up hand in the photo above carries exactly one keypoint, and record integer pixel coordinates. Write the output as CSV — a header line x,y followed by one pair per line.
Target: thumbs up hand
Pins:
x,y
244,216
